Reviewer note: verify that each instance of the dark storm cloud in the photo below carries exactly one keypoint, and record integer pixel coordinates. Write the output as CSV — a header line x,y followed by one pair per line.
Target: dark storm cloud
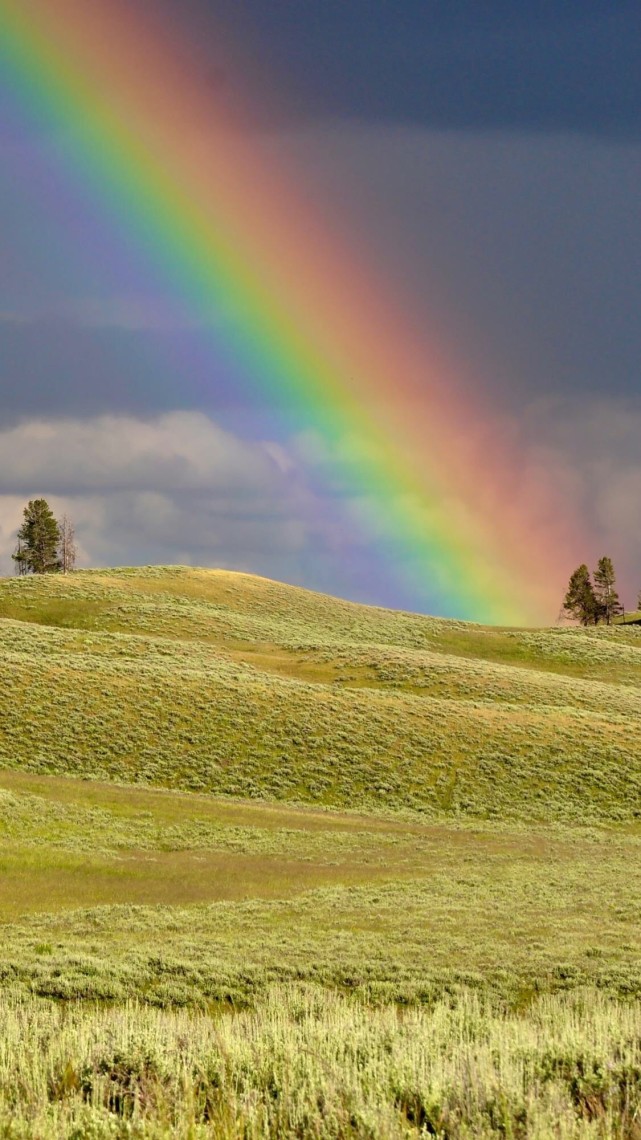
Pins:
x,y
57,367
565,65
524,252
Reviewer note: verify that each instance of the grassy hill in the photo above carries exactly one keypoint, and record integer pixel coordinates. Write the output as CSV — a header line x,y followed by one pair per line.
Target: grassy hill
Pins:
x,y
230,684
226,794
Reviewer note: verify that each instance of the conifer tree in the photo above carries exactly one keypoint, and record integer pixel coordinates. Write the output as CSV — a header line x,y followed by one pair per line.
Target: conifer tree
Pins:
x,y
580,601
38,538
605,591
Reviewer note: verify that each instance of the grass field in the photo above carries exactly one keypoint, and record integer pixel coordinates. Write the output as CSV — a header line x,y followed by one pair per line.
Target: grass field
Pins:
x,y
233,685
254,830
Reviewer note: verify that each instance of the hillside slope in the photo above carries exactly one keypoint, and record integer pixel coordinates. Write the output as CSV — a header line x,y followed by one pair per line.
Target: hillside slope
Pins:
x,y
231,684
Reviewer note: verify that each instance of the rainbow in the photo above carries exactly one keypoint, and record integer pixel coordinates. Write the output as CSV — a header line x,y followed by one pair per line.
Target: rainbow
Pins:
x,y
428,471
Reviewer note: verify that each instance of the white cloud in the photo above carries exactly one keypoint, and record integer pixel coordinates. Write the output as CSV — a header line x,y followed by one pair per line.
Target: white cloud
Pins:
x,y
175,488
179,488
176,452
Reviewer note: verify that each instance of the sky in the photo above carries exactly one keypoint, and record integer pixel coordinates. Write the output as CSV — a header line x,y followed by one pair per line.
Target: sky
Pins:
x,y
485,156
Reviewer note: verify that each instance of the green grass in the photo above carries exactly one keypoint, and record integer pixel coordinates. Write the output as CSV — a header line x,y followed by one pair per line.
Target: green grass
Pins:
x,y
172,898
632,618
233,685
312,868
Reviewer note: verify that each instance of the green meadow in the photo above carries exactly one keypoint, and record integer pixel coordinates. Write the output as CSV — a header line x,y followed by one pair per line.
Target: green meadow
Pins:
x,y
274,864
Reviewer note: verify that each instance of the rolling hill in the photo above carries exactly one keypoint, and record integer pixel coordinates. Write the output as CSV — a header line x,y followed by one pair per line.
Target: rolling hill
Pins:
x,y
229,684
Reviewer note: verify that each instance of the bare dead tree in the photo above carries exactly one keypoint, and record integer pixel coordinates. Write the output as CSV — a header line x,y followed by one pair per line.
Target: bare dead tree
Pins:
x,y
20,560
67,548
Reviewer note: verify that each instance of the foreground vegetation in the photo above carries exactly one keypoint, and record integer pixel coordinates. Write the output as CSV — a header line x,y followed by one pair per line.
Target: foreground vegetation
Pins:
x,y
272,864
305,1062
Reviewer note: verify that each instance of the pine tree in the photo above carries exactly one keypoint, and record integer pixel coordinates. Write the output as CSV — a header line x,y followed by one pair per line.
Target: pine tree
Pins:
x,y
605,591
580,602
38,538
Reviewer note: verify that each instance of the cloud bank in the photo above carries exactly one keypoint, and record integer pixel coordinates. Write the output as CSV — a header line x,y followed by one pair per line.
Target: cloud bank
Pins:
x,y
173,488
178,488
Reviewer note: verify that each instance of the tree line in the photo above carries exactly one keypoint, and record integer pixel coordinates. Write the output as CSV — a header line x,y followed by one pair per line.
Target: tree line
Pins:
x,y
45,545
593,600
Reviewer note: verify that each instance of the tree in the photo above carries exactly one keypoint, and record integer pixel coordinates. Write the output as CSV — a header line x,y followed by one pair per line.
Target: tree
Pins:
x,y
20,560
67,544
580,601
605,591
38,538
